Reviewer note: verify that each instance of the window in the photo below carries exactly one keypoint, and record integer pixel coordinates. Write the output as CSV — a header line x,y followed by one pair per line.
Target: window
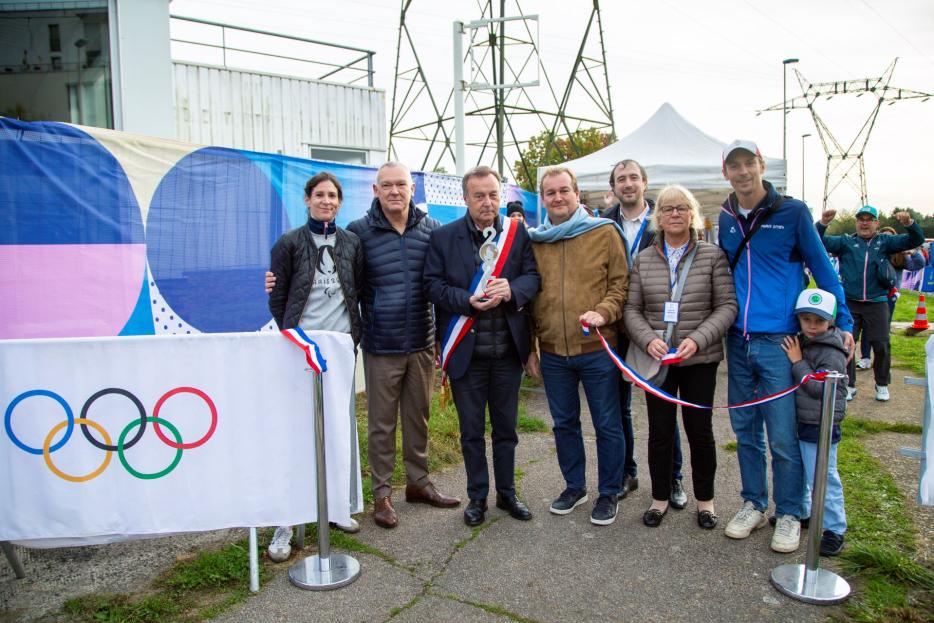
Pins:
x,y
337,154
55,38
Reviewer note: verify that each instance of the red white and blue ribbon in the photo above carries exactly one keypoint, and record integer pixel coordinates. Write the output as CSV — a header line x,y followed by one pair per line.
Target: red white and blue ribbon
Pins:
x,y
460,325
312,353
663,395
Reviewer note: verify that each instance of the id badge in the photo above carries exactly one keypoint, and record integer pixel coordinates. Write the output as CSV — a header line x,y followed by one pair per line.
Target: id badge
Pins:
x,y
671,312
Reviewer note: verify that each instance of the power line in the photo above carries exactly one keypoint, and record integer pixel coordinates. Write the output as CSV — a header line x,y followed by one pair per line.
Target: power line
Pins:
x,y
897,32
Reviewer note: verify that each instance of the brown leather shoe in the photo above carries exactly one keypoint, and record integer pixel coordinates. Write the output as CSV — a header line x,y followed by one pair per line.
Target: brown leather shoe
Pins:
x,y
429,495
384,514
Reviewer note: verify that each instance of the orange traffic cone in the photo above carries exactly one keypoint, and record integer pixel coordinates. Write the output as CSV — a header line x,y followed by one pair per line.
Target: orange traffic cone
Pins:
x,y
921,316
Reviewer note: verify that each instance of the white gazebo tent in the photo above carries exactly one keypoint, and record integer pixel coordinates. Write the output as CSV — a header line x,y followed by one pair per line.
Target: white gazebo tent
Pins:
x,y
673,151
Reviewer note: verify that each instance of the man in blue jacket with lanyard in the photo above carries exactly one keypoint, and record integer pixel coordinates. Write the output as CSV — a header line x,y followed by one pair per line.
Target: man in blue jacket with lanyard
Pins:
x,y
868,276
633,213
480,274
768,239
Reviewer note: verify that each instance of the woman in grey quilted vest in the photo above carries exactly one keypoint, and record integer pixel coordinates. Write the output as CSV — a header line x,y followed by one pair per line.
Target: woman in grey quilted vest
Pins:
x,y
699,318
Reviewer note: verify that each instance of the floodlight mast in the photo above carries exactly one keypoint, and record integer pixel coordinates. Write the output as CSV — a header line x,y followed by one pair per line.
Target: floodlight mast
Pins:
x,y
846,163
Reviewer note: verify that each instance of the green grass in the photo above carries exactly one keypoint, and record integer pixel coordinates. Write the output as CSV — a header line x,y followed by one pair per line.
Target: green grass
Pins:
x,y
881,536
906,306
908,351
857,427
528,424
192,590
730,446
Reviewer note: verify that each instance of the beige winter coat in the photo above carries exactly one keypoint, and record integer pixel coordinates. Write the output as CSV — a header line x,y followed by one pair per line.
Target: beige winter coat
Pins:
x,y
708,304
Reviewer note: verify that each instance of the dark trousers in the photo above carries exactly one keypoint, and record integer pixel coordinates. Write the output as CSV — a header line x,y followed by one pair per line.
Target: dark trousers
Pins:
x,y
694,384
492,383
625,410
871,322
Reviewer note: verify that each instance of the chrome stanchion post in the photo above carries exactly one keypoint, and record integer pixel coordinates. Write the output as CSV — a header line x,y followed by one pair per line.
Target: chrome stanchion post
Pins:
x,y
254,562
322,571
808,582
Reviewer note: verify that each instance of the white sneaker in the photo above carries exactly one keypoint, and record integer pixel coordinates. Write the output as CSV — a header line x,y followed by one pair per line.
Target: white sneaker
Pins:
x,y
850,393
787,535
280,547
863,364
745,521
882,393
352,527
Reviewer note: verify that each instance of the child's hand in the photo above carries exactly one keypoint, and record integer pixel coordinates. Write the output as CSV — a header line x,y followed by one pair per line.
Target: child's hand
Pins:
x,y
792,348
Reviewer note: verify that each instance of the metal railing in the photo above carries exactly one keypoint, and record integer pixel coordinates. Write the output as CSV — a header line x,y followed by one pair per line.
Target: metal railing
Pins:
x,y
355,67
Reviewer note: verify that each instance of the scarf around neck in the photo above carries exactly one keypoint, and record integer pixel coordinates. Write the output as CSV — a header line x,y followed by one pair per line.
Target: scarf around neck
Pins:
x,y
579,223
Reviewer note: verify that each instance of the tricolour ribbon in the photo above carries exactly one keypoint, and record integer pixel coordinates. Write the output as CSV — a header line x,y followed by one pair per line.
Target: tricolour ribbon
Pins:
x,y
663,395
460,325
312,353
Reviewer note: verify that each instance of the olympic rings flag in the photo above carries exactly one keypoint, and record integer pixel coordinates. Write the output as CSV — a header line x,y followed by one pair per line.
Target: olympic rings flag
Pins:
x,y
209,431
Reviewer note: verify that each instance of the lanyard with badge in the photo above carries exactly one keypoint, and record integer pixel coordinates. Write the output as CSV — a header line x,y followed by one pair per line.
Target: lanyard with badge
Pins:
x,y
671,310
635,245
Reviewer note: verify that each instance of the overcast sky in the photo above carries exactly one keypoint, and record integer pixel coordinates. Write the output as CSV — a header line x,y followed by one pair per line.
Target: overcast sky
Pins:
x,y
715,61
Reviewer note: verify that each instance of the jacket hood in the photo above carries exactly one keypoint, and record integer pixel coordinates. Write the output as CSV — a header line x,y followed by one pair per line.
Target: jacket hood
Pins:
x,y
833,338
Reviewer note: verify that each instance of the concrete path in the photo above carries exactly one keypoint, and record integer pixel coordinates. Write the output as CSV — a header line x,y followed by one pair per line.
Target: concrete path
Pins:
x,y
553,568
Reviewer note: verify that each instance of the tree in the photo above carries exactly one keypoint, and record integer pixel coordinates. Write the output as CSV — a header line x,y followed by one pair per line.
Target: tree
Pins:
x,y
546,149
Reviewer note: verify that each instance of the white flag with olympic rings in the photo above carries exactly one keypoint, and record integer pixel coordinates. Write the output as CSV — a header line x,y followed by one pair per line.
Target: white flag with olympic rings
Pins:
x,y
108,438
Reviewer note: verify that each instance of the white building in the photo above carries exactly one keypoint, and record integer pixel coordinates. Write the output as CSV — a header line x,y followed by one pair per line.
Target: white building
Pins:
x,y
129,65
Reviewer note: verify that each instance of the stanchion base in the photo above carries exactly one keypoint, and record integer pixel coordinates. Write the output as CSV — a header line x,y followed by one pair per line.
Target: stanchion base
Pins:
x,y
824,587
307,574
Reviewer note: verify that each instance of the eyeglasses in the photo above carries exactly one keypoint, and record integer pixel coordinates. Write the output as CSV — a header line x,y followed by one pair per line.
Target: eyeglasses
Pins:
x,y
668,210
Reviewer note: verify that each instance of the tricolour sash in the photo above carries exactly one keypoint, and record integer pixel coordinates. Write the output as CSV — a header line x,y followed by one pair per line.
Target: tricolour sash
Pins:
x,y
460,325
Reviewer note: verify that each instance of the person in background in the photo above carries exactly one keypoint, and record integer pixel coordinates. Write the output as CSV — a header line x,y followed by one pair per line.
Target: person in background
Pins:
x,y
819,346
514,210
868,278
319,270
633,211
681,260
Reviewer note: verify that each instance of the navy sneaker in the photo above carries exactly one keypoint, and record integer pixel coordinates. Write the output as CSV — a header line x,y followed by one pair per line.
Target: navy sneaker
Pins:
x,y
604,510
568,501
831,543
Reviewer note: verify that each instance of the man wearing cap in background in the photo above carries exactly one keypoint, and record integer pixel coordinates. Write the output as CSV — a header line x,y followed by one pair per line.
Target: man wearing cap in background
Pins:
x,y
632,212
867,277
769,239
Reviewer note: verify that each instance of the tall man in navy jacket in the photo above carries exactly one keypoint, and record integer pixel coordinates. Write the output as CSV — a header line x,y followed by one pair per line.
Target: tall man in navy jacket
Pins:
x,y
485,368
768,239
633,214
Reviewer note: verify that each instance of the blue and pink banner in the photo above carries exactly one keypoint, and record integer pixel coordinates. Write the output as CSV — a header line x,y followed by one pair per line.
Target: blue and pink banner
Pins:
x,y
105,233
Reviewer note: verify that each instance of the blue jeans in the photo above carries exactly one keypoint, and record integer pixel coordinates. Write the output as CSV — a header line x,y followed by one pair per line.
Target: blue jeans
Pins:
x,y
757,366
834,512
563,376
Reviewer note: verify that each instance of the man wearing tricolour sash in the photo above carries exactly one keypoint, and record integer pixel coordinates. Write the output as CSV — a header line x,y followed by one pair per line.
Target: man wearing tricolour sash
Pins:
x,y
480,274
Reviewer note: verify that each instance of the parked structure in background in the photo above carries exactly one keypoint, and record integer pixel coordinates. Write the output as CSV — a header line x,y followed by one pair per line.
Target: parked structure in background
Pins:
x,y
130,65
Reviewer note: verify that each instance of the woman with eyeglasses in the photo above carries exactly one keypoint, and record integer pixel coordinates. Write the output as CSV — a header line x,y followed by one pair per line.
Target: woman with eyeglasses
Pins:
x,y
681,303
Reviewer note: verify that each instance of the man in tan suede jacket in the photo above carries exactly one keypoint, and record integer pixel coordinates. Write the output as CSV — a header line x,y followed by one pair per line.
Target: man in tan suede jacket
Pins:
x,y
584,278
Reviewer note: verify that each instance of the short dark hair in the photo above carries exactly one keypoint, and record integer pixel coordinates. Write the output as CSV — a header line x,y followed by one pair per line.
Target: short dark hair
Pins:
x,y
324,176
479,172
625,163
514,206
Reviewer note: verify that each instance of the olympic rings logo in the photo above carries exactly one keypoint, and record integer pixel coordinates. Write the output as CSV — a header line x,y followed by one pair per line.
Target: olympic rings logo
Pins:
x,y
107,445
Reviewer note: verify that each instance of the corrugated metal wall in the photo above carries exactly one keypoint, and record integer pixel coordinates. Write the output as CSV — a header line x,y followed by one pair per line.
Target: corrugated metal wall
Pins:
x,y
261,112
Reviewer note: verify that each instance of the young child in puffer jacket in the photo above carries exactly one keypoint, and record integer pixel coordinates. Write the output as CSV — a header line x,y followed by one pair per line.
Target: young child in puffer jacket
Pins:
x,y
819,347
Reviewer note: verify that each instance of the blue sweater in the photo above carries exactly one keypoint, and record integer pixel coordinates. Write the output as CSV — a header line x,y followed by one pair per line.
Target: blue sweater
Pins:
x,y
770,272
